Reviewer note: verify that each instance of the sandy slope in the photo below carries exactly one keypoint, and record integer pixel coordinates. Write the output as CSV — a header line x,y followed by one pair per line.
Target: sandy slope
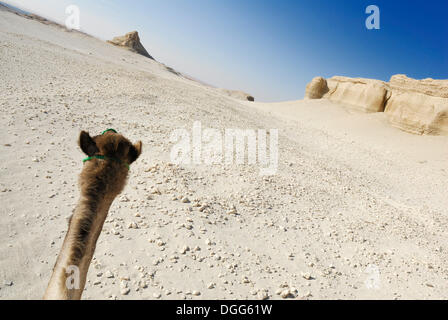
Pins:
x,y
350,191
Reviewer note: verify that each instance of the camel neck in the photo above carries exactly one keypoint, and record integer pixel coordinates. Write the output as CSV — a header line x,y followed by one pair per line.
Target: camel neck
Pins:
x,y
70,271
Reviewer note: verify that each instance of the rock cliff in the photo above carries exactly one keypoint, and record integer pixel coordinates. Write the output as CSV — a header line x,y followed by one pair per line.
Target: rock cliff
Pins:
x,y
131,41
416,106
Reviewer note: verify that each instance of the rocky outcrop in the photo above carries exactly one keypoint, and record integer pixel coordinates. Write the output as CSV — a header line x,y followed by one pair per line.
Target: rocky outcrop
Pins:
x,y
366,95
131,41
316,88
416,106
430,87
238,94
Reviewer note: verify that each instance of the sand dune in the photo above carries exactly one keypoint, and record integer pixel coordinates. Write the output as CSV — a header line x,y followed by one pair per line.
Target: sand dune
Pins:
x,y
354,199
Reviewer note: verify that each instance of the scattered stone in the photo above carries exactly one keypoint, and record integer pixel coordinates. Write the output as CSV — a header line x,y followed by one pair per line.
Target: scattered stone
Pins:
x,y
287,294
307,276
185,249
185,200
156,191
109,274
133,225
245,280
307,294
211,285
263,295
125,291
124,199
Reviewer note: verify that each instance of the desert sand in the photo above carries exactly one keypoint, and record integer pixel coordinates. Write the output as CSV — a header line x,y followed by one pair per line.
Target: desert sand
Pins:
x,y
353,199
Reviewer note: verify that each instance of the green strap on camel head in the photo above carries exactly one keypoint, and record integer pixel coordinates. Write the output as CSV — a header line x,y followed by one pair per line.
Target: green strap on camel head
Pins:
x,y
101,157
113,130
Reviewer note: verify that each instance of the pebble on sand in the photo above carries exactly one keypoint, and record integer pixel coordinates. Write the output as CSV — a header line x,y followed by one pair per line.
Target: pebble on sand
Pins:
x,y
125,291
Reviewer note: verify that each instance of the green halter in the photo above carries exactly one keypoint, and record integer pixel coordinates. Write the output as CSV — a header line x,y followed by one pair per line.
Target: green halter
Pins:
x,y
101,157
113,130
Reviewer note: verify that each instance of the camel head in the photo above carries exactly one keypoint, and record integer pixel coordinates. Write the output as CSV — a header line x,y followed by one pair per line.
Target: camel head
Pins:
x,y
110,145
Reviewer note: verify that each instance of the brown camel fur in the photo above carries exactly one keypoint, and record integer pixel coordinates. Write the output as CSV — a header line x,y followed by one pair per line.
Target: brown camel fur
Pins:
x,y
100,181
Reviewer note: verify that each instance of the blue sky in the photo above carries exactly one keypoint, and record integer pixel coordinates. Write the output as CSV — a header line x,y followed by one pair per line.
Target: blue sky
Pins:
x,y
272,49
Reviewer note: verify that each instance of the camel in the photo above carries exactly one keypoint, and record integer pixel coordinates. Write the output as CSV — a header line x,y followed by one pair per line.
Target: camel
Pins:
x,y
102,178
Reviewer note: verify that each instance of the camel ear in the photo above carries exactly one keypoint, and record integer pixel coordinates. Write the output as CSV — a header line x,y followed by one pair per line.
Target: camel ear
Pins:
x,y
135,151
88,146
